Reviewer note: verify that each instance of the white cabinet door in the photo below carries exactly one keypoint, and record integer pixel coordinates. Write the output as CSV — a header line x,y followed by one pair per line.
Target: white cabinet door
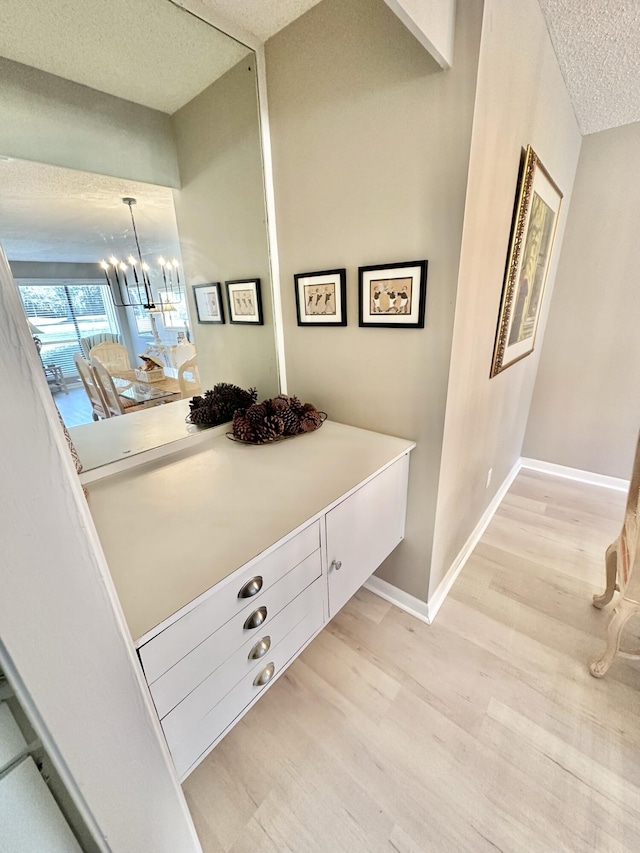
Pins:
x,y
363,530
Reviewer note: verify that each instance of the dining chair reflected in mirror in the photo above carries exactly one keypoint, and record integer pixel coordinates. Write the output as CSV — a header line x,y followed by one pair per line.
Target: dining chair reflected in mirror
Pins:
x,y
53,372
182,352
114,402
99,409
189,378
113,356
88,342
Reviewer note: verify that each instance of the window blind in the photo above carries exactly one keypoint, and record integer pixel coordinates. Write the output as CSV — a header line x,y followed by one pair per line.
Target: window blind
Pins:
x,y
61,313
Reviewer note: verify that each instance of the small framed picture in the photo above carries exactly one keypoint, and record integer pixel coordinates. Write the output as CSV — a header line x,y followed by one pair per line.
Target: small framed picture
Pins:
x,y
393,295
245,301
321,298
208,299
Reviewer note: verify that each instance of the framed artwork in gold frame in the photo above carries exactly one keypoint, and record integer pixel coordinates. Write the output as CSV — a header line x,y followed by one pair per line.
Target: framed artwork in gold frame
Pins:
x,y
533,233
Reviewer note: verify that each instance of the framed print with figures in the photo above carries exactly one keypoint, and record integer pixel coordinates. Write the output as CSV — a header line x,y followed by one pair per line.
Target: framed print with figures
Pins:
x,y
245,301
393,295
321,298
208,299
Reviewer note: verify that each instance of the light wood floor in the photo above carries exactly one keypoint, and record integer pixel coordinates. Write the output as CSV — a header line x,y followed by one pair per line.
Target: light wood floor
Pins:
x,y
482,732
74,407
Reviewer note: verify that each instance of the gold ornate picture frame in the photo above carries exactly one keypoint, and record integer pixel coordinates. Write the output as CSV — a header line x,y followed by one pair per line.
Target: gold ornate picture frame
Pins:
x,y
533,233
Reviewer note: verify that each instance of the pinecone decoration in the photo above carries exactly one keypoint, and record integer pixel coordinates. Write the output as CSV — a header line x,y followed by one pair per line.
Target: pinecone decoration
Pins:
x,y
256,414
296,406
242,429
200,416
229,398
219,405
311,419
269,429
263,422
203,411
279,405
291,422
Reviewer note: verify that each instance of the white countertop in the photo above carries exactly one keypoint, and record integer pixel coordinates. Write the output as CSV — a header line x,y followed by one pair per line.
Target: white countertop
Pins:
x,y
114,439
174,527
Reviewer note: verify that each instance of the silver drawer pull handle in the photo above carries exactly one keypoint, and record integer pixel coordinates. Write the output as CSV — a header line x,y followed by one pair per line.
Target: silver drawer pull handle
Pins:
x,y
336,564
256,618
265,675
252,587
260,649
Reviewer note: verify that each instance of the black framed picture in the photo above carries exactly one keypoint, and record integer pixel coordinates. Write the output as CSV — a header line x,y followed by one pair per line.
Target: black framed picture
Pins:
x,y
321,298
208,299
245,301
393,295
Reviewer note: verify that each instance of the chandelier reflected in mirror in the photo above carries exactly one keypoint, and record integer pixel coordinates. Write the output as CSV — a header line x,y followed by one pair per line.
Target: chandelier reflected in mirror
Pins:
x,y
130,285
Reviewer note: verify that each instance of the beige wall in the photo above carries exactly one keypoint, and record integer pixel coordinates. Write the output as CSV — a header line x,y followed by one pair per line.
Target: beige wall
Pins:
x,y
371,145
521,99
586,409
220,213
47,119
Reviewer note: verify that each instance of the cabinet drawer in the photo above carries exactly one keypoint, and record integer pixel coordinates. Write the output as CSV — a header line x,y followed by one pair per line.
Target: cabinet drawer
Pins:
x,y
172,644
185,676
363,530
189,741
180,722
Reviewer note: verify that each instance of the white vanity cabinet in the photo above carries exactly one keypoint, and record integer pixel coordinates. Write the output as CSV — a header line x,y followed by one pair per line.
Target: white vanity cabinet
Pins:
x,y
363,530
209,665
278,539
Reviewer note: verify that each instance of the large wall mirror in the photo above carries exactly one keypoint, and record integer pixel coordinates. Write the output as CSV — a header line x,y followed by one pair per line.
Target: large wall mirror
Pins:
x,y
132,193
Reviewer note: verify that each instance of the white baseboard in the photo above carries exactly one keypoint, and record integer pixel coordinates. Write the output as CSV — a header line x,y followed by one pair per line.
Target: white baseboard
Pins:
x,y
593,479
426,611
409,603
435,601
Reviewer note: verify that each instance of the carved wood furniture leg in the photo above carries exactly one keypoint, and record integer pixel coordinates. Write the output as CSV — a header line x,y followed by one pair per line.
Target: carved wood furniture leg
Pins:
x,y
611,561
621,614
632,654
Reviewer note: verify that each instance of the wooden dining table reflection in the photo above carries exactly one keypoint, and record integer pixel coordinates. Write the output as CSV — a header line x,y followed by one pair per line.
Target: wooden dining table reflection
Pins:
x,y
129,386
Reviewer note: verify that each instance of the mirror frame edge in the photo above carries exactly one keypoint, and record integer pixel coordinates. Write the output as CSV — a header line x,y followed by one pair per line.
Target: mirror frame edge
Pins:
x,y
270,210
220,22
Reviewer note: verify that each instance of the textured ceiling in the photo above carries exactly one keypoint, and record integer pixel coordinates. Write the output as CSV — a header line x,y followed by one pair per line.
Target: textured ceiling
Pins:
x,y
155,54
53,214
145,51
263,18
598,47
